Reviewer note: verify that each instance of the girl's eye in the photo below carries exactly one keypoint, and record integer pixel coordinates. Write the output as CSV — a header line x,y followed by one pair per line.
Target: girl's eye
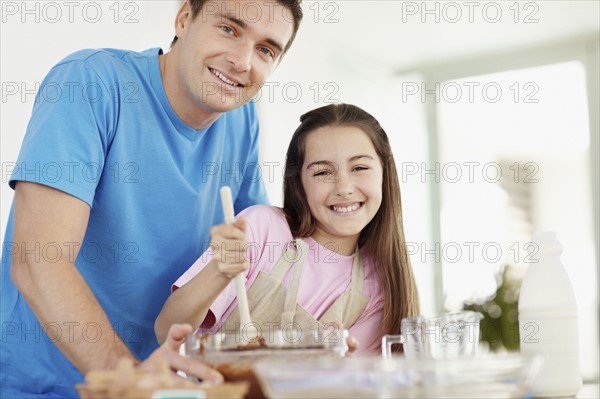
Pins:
x,y
321,173
360,168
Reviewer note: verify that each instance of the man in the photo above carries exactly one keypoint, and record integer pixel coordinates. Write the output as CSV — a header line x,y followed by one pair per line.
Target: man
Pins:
x,y
125,188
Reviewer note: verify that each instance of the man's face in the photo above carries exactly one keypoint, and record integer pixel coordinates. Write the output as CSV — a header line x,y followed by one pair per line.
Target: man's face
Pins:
x,y
227,52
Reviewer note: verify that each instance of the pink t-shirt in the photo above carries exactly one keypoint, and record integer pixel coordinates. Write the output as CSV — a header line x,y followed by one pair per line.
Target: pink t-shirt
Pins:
x,y
325,276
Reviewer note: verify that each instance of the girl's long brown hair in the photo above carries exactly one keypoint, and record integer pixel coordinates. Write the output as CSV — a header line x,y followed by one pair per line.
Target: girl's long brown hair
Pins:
x,y
382,240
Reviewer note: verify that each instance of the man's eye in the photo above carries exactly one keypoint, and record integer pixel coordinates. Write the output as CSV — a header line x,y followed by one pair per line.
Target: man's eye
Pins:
x,y
226,29
266,51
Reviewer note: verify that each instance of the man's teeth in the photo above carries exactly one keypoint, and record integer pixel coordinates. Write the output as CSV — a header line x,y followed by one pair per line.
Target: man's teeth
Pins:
x,y
345,209
223,78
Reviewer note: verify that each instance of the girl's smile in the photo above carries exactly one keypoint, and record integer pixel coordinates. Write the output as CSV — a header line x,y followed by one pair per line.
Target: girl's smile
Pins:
x,y
342,177
346,208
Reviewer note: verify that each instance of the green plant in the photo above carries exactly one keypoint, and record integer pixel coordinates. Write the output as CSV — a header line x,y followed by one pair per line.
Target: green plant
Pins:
x,y
500,324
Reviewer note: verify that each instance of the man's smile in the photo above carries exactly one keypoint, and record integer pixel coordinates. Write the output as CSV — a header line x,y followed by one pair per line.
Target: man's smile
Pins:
x,y
224,78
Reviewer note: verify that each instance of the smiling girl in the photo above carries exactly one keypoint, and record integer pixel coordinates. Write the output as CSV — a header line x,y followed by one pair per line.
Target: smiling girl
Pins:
x,y
335,253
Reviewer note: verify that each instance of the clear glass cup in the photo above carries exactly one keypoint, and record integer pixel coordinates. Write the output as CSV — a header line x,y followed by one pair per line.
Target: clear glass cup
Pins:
x,y
443,336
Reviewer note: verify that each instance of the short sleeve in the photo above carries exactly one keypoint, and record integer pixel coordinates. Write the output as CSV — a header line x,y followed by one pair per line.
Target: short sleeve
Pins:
x,y
262,221
194,269
68,134
225,298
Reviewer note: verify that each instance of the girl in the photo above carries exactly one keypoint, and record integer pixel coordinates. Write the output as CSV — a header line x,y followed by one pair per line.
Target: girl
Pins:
x,y
335,253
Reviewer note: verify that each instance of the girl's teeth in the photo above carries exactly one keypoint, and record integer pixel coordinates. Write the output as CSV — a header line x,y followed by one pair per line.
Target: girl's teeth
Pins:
x,y
346,209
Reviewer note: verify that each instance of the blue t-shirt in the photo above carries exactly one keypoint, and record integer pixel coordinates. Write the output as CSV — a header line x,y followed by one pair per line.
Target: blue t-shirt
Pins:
x,y
103,131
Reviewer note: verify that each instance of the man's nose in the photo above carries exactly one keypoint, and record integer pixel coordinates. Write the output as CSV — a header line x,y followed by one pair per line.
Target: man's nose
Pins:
x,y
240,57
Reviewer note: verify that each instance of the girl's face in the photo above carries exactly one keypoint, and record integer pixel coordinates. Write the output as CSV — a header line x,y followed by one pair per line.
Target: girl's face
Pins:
x,y
342,177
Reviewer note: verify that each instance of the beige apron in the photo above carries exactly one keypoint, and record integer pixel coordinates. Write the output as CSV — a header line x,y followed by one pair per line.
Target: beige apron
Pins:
x,y
273,306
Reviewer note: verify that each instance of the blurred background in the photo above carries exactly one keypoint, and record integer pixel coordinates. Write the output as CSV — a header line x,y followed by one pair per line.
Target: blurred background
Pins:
x,y
491,107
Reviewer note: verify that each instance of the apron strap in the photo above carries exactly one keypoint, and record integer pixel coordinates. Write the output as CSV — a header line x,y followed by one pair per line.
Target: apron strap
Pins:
x,y
291,298
358,273
348,308
295,252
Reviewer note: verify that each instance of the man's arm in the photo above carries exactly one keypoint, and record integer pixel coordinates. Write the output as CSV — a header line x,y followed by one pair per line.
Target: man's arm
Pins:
x,y
54,288
57,292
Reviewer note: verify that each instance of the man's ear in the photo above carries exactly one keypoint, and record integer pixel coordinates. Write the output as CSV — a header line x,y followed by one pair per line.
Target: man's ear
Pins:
x,y
184,17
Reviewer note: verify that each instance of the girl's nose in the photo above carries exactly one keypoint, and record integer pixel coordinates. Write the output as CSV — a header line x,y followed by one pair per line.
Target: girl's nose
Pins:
x,y
344,185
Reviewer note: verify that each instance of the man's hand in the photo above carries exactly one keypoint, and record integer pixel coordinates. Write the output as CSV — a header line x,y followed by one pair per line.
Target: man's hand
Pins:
x,y
169,353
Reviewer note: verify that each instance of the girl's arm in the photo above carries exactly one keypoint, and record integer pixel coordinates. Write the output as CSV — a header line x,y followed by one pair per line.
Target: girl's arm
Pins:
x,y
190,303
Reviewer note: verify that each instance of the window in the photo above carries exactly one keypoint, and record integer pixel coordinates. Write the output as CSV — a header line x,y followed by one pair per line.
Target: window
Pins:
x,y
514,157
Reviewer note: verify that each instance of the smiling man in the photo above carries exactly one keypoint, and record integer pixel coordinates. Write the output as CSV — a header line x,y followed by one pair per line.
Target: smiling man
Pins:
x,y
222,60
116,191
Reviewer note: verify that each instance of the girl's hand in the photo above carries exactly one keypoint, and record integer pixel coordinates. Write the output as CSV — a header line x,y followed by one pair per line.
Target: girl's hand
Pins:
x,y
352,344
230,245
